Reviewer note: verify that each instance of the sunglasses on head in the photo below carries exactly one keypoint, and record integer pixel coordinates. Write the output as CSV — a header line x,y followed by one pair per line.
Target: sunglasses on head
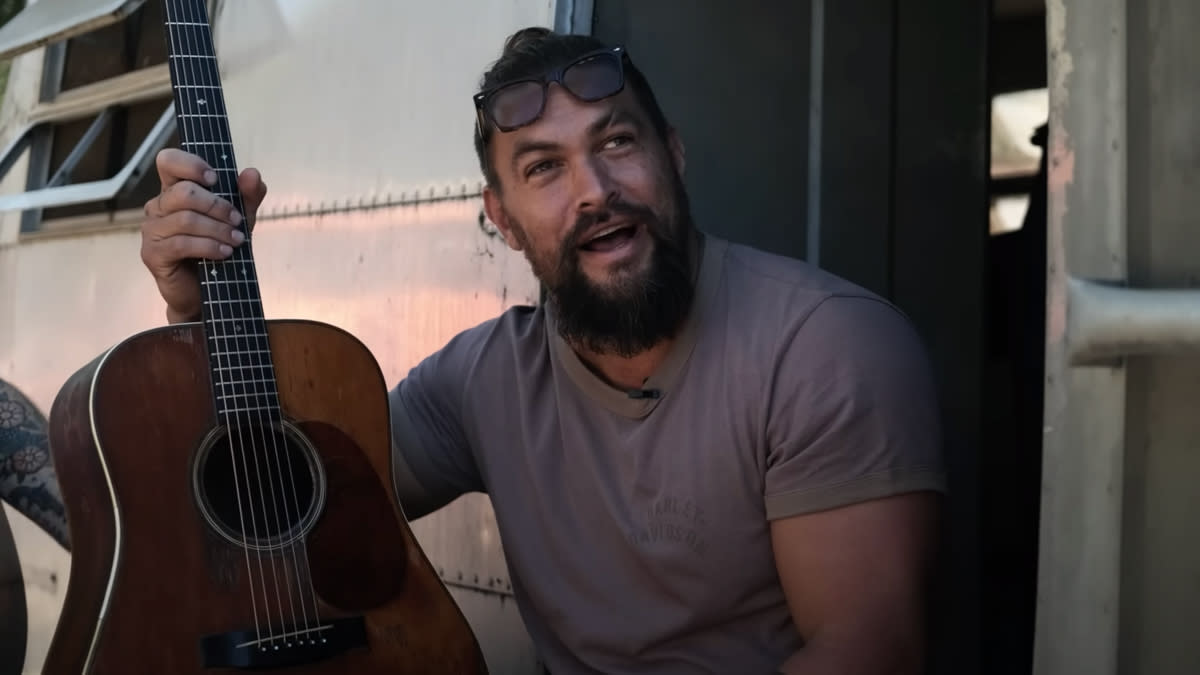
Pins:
x,y
517,103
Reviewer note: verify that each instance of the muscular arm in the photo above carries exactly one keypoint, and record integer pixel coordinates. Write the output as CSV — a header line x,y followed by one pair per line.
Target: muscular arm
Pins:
x,y
858,597
853,480
432,459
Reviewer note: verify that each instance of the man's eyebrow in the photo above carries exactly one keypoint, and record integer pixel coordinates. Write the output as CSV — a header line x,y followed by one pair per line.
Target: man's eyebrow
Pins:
x,y
525,147
616,115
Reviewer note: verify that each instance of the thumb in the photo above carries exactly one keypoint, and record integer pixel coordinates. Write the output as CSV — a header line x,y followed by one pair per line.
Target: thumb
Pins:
x,y
253,190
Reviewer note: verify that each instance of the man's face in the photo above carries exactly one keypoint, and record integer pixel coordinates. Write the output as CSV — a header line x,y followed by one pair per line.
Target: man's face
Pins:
x,y
595,200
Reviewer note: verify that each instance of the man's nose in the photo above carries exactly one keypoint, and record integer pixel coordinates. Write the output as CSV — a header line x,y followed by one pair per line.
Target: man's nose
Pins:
x,y
593,185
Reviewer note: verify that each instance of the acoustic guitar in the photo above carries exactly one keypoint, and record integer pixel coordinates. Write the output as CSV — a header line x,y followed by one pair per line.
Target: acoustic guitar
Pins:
x,y
227,481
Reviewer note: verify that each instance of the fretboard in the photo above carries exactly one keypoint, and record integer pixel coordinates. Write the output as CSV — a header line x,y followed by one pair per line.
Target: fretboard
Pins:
x,y
242,372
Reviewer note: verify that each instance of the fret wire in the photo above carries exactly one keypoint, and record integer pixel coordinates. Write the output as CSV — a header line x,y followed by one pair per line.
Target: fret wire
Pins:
x,y
243,372
226,411
230,391
261,385
249,395
264,366
271,399
258,337
247,352
227,320
252,380
222,344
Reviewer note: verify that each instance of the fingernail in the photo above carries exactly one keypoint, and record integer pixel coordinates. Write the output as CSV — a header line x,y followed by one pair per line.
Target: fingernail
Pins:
x,y
210,176
235,218
226,249
238,236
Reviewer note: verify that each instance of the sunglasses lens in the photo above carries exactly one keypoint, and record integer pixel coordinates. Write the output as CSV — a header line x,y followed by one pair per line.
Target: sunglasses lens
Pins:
x,y
516,104
594,78
590,79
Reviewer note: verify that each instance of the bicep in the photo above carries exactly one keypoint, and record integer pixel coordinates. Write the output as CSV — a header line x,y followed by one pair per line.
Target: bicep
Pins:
x,y
856,577
853,475
422,494
853,415
432,460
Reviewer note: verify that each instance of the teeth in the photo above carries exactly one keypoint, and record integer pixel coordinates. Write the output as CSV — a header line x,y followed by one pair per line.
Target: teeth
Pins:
x,y
606,231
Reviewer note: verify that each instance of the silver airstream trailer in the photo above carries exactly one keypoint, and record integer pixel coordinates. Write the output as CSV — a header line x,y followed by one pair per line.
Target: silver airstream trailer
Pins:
x,y
1051,270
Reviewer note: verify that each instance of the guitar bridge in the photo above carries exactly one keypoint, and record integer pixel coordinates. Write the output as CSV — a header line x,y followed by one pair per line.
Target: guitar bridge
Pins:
x,y
249,649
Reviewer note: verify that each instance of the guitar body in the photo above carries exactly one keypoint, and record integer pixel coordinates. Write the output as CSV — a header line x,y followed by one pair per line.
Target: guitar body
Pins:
x,y
158,505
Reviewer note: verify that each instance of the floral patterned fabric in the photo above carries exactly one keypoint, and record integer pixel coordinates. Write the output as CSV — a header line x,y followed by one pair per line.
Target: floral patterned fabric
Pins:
x,y
27,478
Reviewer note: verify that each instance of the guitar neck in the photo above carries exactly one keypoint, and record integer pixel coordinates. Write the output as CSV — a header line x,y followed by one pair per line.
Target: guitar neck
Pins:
x,y
242,371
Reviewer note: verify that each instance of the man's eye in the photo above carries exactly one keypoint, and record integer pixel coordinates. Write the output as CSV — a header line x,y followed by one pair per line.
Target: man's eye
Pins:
x,y
539,167
618,141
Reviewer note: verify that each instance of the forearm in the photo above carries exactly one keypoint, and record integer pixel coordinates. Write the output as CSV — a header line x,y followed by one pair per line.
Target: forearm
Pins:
x,y
27,478
864,656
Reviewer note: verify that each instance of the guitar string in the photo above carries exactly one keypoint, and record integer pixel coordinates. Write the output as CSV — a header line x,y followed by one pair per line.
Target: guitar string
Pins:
x,y
237,398
266,375
217,310
238,310
236,446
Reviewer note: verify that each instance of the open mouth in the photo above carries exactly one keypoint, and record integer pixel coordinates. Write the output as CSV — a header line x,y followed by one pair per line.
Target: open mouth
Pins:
x,y
610,238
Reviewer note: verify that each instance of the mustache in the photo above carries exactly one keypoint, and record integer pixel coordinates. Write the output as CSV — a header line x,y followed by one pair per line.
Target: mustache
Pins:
x,y
612,209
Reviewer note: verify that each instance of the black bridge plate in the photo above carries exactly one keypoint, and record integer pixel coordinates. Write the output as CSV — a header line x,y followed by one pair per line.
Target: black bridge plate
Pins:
x,y
295,645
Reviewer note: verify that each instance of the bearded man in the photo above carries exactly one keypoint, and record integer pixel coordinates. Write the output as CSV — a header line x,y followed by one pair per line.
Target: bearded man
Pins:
x,y
703,458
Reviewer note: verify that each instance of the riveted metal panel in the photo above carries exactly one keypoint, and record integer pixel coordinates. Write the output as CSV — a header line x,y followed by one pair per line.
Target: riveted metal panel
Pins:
x,y
350,106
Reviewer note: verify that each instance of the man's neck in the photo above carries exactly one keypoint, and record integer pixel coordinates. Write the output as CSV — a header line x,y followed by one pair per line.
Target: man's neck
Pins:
x,y
626,372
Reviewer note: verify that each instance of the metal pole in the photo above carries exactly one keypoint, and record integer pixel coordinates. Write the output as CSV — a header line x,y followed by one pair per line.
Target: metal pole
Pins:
x,y
1083,449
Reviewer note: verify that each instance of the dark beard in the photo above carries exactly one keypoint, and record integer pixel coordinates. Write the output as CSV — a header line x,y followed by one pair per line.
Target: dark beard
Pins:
x,y
632,313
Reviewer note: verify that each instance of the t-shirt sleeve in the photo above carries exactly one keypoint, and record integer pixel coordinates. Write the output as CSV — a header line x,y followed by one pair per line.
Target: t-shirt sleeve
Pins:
x,y
853,411
432,461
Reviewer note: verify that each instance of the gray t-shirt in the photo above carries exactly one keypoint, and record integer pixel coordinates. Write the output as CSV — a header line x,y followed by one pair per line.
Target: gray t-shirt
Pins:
x,y
637,529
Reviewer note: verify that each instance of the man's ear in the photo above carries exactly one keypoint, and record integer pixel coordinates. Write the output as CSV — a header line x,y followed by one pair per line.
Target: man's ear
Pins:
x,y
495,212
678,152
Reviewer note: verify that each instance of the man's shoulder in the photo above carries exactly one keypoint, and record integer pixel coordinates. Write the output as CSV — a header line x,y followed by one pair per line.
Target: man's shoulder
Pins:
x,y
793,291
516,334
753,269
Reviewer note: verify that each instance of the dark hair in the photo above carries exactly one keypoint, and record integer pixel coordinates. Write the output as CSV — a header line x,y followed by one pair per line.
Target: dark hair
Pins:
x,y
530,51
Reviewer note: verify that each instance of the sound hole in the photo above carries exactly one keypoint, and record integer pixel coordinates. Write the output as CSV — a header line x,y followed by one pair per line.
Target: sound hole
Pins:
x,y
259,486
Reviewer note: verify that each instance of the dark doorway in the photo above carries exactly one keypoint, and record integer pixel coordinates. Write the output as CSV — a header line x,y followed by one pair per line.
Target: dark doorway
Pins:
x,y
854,134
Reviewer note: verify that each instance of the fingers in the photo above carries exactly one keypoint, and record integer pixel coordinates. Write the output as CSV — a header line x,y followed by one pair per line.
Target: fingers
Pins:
x,y
166,253
188,221
175,165
187,196
180,170
253,190
193,224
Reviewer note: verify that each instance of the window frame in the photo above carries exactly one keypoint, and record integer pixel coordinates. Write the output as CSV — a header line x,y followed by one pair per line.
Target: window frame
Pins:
x,y
49,186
